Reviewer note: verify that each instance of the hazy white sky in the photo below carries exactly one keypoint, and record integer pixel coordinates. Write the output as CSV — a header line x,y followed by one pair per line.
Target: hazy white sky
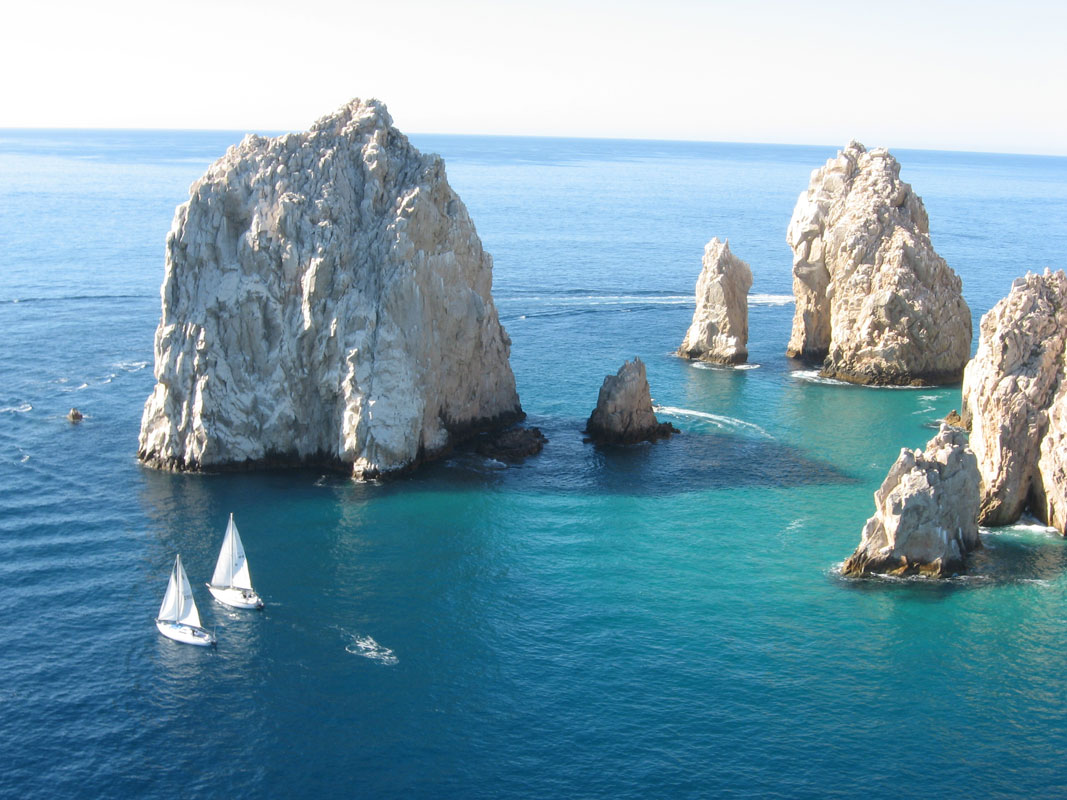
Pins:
x,y
954,75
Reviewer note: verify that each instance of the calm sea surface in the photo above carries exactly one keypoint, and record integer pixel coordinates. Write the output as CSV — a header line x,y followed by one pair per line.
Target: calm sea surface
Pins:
x,y
663,621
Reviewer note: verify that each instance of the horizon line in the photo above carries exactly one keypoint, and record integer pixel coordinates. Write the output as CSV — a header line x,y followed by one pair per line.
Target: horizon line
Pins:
x,y
283,132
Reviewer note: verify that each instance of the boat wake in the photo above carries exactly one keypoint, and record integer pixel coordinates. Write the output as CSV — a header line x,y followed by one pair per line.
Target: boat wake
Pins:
x,y
728,367
721,422
368,648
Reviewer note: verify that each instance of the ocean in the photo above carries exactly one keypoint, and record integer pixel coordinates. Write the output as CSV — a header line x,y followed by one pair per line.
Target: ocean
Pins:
x,y
664,620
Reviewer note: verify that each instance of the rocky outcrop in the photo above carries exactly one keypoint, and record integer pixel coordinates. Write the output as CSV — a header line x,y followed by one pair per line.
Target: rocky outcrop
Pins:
x,y
326,299
925,518
874,303
1015,402
719,332
512,445
74,415
623,413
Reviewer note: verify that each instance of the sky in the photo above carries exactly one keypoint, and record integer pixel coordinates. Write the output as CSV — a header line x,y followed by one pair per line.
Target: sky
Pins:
x,y
938,75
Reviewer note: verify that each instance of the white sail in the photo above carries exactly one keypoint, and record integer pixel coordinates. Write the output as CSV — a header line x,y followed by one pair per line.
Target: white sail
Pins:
x,y
187,615
231,570
171,608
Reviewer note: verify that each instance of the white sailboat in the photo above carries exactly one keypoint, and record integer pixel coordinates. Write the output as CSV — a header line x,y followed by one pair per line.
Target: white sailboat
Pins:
x,y
178,618
231,584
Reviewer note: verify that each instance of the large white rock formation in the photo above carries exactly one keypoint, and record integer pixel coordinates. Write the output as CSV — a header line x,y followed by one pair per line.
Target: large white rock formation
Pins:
x,y
874,302
623,413
326,299
719,331
1015,401
925,518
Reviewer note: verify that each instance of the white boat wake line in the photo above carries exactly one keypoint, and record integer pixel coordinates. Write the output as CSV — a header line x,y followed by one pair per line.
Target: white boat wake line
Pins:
x,y
368,648
707,365
720,421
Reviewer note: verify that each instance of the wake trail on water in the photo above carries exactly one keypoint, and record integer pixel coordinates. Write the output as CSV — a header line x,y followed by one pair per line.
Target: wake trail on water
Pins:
x,y
366,647
718,420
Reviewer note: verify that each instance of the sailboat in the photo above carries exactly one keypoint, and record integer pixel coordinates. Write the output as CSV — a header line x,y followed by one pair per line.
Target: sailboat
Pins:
x,y
231,584
178,618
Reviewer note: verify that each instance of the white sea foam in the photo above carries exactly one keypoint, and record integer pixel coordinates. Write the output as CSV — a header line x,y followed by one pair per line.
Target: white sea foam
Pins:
x,y
1026,526
130,366
770,299
19,409
813,376
707,365
718,420
368,648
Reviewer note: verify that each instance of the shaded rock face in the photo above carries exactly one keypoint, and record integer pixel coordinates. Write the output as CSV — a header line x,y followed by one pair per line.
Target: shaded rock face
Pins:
x,y
1015,402
326,299
926,511
874,303
719,332
512,445
623,413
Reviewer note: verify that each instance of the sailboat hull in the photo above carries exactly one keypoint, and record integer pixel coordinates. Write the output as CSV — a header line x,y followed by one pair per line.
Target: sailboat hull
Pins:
x,y
186,634
237,598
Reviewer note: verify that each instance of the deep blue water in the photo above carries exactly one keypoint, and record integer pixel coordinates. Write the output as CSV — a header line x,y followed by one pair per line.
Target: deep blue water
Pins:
x,y
663,620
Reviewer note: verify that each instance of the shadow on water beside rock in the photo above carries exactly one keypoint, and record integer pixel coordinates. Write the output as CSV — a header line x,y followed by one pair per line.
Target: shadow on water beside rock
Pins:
x,y
684,463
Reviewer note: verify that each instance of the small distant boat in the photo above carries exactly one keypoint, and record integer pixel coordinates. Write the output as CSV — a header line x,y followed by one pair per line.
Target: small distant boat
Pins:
x,y
178,618
231,584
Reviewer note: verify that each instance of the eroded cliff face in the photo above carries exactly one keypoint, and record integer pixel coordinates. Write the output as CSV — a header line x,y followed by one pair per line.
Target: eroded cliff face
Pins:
x,y
925,518
623,413
719,331
874,301
1015,402
325,299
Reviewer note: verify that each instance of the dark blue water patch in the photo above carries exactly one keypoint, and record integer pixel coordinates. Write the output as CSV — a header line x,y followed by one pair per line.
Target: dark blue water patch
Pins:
x,y
686,462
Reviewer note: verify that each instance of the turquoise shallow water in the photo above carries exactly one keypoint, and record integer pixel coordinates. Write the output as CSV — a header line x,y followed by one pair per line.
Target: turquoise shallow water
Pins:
x,y
662,620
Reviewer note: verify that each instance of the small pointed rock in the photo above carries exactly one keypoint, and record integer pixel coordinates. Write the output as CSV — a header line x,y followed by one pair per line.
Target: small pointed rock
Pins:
x,y
623,413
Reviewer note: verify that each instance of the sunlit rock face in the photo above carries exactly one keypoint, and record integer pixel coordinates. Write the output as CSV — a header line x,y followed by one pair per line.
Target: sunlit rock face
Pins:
x,y
874,303
623,413
926,512
1015,402
326,299
719,331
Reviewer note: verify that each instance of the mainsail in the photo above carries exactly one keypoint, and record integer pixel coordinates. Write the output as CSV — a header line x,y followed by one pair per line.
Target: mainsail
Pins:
x,y
231,570
178,604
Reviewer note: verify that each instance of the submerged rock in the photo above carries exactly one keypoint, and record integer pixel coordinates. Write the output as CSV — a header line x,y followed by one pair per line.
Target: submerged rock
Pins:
x,y
623,413
512,445
326,299
1015,402
874,303
925,518
719,331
